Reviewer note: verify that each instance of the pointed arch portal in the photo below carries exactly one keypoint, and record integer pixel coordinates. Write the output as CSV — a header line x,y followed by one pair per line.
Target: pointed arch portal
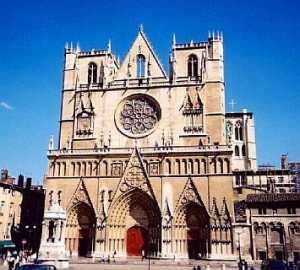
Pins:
x,y
138,216
80,230
193,222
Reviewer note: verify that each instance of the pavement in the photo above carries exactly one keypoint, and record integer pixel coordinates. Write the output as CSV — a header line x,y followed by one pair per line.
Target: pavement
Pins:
x,y
138,264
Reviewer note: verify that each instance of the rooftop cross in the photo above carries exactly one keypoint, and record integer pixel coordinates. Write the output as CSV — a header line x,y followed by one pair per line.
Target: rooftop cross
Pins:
x,y
232,103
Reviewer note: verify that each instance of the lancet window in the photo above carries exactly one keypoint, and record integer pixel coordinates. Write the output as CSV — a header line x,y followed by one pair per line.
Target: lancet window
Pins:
x,y
140,60
238,131
192,66
92,73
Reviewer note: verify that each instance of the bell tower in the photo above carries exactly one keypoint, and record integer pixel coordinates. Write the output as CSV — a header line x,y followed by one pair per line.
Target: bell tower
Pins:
x,y
202,63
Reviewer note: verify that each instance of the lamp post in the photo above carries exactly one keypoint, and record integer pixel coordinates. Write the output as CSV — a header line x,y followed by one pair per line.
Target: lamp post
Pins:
x,y
239,246
283,241
149,247
30,230
239,231
267,242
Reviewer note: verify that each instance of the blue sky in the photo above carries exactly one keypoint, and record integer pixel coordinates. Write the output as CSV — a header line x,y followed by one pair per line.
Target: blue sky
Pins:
x,y
261,51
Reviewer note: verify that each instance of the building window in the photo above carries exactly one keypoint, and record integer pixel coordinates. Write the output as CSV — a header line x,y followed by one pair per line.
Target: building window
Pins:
x,y
237,151
192,66
240,180
141,60
262,211
1,208
291,210
243,151
238,131
262,255
11,209
92,73
296,256
280,179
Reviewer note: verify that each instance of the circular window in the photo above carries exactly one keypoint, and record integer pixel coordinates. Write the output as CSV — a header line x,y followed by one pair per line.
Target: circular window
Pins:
x,y
137,115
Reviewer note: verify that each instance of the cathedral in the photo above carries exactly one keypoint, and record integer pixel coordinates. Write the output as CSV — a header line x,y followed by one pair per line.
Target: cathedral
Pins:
x,y
144,160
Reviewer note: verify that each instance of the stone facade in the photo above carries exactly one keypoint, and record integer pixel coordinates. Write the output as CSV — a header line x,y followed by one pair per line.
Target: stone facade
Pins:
x,y
10,205
275,219
144,159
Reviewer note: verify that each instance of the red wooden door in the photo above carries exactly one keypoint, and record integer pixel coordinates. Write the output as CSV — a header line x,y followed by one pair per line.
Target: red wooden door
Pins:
x,y
136,241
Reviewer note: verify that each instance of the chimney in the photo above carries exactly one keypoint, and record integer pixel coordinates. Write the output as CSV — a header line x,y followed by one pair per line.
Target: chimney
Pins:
x,y
21,181
28,183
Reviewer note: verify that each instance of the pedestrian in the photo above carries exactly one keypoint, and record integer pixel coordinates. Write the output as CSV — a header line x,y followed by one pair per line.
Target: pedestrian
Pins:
x,y
143,254
198,267
93,257
174,256
11,262
114,256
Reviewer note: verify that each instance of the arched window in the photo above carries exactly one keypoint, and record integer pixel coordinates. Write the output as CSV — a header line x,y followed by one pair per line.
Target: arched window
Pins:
x,y
184,167
105,168
243,151
227,165
140,68
197,166
78,171
177,162
237,151
92,73
220,164
192,66
238,131
90,168
84,168
168,168
190,166
203,166
72,168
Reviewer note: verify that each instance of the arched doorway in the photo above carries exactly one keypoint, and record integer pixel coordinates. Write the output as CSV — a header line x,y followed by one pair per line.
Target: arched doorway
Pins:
x,y
83,236
134,217
197,235
80,230
137,240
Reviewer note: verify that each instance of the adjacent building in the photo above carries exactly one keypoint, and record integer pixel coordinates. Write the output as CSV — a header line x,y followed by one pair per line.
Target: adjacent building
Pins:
x,y
21,213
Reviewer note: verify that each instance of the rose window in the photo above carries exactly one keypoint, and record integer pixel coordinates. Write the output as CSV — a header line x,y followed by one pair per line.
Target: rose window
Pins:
x,y
138,115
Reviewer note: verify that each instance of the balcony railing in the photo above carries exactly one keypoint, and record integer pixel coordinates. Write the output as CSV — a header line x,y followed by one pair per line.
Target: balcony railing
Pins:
x,y
142,150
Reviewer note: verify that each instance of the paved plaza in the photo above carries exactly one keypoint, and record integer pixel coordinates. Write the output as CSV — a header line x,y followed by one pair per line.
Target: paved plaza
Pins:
x,y
86,264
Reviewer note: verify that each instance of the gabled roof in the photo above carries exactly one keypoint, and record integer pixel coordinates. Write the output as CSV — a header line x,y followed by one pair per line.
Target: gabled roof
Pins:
x,y
141,45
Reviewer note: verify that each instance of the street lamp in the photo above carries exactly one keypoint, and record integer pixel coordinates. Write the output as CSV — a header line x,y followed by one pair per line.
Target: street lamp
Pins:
x,y
149,247
239,231
30,230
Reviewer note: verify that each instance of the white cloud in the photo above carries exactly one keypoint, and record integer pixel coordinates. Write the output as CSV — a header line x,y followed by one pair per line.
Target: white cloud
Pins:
x,y
5,106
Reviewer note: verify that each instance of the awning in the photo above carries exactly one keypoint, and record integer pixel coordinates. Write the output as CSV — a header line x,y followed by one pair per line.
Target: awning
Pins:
x,y
7,244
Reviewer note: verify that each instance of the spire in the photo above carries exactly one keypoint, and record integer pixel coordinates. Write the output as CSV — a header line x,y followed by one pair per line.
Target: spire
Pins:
x,y
174,40
198,104
82,102
109,46
129,67
77,48
141,29
187,103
